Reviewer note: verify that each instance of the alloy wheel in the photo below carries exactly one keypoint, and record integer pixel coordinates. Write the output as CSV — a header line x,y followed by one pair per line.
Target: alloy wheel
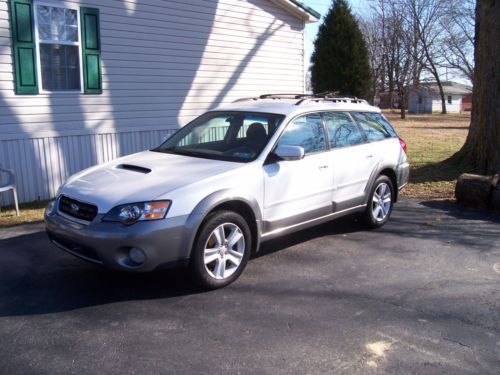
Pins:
x,y
224,251
382,202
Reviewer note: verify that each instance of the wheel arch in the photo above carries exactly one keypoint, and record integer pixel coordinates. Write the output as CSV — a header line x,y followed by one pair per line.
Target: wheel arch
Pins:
x,y
247,207
389,172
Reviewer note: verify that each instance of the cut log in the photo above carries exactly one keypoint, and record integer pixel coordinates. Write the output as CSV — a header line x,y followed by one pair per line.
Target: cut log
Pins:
x,y
474,190
495,195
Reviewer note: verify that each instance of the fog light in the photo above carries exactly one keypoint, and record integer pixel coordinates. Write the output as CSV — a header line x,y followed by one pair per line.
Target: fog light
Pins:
x,y
137,255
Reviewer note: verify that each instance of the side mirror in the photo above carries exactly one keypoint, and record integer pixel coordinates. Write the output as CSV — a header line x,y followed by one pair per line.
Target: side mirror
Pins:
x,y
287,152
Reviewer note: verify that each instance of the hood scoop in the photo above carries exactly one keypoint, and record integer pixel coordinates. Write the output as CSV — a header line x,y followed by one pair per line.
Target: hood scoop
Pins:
x,y
134,168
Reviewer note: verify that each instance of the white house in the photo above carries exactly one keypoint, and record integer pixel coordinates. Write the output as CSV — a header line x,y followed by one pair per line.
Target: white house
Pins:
x,y
426,97
86,81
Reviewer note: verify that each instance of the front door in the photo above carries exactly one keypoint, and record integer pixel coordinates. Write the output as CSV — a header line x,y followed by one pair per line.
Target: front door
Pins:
x,y
298,191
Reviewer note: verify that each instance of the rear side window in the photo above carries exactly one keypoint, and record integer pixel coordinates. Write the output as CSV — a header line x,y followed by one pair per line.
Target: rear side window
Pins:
x,y
342,130
373,129
305,131
383,121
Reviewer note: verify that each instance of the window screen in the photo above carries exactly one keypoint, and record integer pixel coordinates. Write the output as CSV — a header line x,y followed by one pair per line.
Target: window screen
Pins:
x,y
58,39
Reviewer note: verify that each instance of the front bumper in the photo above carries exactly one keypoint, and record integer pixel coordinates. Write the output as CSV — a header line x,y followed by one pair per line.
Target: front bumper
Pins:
x,y
163,242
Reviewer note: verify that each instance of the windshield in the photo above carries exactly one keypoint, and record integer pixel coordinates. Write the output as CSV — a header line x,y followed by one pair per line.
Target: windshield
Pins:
x,y
232,136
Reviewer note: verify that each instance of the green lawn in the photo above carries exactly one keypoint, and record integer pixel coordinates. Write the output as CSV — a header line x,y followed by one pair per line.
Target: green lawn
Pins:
x,y
431,140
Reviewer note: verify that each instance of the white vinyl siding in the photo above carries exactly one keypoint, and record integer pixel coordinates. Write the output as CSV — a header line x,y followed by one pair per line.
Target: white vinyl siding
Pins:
x,y
454,107
432,103
163,63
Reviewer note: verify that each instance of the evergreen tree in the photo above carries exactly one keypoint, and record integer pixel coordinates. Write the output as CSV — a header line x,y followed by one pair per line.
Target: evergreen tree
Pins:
x,y
340,59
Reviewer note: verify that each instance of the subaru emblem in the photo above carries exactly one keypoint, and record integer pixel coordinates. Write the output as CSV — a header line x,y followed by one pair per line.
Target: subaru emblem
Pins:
x,y
74,207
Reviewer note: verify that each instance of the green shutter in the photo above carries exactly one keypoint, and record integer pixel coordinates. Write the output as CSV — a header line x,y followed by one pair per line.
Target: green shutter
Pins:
x,y
23,47
91,51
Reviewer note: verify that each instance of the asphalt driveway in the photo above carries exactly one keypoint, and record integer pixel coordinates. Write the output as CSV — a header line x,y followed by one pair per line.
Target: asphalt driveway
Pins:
x,y
421,295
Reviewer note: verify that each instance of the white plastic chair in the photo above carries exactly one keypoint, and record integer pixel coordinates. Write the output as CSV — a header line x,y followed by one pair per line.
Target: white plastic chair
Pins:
x,y
10,185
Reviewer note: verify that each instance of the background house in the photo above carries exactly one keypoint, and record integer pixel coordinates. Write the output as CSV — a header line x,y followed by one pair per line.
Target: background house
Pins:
x,y
83,82
426,98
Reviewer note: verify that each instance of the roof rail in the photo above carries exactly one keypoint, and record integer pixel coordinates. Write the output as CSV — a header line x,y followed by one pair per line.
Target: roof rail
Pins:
x,y
324,96
274,96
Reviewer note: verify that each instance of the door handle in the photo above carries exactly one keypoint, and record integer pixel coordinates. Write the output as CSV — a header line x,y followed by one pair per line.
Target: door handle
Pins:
x,y
323,166
369,156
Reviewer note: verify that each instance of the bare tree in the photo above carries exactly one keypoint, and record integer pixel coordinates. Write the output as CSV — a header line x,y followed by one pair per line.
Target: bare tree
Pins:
x,y
458,44
400,60
426,17
372,32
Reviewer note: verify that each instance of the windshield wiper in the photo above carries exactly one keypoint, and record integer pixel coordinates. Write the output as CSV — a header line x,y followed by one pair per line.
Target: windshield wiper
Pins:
x,y
179,151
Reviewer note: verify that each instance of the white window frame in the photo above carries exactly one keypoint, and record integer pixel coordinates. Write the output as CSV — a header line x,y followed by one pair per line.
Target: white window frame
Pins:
x,y
78,44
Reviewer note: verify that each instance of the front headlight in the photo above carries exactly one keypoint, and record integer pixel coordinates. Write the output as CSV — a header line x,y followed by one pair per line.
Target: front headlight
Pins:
x,y
134,212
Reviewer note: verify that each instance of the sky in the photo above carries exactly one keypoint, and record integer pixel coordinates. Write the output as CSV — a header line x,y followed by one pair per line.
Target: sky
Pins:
x,y
322,6
359,7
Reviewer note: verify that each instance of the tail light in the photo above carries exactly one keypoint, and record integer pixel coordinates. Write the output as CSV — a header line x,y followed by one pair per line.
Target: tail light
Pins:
x,y
403,144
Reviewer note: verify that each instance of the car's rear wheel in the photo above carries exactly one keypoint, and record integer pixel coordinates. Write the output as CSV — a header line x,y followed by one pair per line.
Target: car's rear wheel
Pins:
x,y
380,202
221,250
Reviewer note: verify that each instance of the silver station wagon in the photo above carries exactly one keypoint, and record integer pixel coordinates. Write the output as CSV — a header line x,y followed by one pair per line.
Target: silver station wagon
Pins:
x,y
238,175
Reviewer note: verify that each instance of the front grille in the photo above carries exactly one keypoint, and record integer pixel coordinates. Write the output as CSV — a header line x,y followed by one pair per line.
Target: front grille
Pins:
x,y
74,248
77,209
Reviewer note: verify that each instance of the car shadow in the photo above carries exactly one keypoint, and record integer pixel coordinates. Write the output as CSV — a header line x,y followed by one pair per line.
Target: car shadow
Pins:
x,y
37,278
344,225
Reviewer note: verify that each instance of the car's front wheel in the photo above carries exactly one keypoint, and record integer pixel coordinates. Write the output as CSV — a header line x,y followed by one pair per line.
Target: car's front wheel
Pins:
x,y
380,202
221,250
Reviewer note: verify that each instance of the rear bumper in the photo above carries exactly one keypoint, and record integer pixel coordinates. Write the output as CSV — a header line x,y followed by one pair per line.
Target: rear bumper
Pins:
x,y
403,174
108,243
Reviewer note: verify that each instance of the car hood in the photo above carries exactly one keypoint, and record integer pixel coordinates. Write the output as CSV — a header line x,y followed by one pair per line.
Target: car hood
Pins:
x,y
140,177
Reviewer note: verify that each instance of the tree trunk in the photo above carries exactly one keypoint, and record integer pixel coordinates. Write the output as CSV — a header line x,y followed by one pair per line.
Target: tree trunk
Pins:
x,y
443,99
402,102
482,146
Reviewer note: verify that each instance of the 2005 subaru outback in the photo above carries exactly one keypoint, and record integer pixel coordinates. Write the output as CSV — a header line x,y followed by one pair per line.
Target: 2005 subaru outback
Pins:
x,y
235,176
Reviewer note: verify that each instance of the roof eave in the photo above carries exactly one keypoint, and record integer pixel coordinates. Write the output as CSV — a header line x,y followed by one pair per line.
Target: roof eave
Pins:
x,y
300,10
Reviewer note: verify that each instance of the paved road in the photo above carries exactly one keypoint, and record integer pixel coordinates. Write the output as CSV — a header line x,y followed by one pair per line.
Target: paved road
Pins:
x,y
421,295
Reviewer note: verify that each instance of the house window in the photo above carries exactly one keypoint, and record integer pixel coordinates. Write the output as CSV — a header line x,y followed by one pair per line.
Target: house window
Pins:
x,y
420,99
55,47
58,46
449,99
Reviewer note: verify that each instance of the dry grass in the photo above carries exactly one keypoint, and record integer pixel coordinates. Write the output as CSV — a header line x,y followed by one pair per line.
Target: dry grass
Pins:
x,y
431,140
29,213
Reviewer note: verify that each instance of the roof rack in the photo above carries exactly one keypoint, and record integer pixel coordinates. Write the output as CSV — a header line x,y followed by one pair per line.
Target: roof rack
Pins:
x,y
273,96
324,96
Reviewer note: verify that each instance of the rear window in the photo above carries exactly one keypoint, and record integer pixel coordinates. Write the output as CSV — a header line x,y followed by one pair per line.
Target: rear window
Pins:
x,y
374,126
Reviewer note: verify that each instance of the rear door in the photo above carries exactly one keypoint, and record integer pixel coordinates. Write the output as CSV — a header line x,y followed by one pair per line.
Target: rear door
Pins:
x,y
351,158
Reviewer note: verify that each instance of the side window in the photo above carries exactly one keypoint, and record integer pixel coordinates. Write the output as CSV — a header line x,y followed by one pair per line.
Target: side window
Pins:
x,y
373,130
382,121
305,131
342,130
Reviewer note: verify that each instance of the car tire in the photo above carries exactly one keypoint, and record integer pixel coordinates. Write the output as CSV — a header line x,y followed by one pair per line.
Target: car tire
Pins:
x,y
221,250
380,202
